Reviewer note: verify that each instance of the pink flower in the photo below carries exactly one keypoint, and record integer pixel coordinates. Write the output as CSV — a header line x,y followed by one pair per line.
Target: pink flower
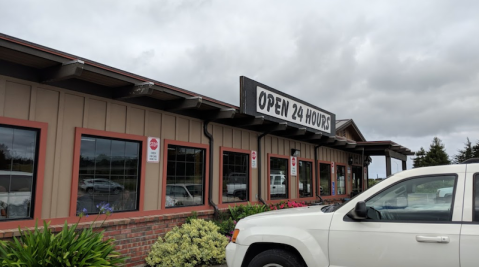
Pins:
x,y
282,206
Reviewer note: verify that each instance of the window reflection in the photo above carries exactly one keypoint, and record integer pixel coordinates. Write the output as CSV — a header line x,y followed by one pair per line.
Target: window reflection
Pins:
x,y
185,176
341,180
108,174
325,179
305,178
279,184
235,177
18,148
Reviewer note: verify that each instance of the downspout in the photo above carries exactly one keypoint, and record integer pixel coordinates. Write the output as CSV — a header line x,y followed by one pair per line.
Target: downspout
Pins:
x,y
210,174
317,172
362,175
259,167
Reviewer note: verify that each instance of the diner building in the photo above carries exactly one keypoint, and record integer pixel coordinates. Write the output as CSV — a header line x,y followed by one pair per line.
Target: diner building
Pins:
x,y
75,134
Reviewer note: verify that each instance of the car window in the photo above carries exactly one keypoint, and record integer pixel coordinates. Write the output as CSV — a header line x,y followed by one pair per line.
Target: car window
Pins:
x,y
427,199
277,181
178,191
476,198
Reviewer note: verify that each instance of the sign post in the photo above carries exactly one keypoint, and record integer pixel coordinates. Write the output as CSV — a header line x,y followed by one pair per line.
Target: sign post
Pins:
x,y
153,153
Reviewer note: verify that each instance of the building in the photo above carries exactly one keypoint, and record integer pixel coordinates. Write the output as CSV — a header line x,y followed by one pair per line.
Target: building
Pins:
x,y
75,133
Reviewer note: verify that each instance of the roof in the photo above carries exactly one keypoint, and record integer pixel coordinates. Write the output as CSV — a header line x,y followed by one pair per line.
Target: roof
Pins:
x,y
29,61
344,124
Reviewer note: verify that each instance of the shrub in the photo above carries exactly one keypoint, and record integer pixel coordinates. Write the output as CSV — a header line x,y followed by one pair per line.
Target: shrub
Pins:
x,y
240,212
192,244
287,205
70,247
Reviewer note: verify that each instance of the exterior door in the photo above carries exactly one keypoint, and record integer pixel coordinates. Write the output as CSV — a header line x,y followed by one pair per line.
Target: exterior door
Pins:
x,y
406,226
470,228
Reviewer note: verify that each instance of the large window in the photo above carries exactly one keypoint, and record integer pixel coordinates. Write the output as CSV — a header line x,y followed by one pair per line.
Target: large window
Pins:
x,y
340,180
18,164
278,178
305,179
427,199
325,179
109,173
235,177
185,176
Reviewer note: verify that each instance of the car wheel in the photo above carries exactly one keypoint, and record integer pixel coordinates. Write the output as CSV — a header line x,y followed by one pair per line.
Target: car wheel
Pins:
x,y
275,258
90,190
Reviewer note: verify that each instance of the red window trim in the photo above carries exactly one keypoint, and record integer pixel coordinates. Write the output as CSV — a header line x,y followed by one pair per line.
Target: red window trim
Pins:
x,y
42,127
313,185
207,171
331,177
270,155
76,164
220,195
345,178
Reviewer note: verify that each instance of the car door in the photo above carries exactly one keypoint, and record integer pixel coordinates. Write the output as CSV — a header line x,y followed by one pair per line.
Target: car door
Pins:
x,y
470,228
405,224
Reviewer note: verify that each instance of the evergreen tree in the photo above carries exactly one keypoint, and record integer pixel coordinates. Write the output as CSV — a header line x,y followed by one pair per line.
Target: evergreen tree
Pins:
x,y
464,154
437,154
475,150
419,159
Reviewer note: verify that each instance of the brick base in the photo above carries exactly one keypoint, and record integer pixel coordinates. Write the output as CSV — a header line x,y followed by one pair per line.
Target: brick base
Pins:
x,y
133,236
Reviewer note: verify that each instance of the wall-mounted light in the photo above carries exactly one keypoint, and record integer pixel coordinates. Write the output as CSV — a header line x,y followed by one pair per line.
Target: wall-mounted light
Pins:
x,y
295,152
350,160
367,161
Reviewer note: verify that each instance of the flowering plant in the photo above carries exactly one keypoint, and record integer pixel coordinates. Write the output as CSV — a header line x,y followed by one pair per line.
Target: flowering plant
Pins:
x,y
287,205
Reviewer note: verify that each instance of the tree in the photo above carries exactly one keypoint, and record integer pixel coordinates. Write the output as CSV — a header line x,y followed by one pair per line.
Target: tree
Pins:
x,y
475,150
437,154
419,159
464,154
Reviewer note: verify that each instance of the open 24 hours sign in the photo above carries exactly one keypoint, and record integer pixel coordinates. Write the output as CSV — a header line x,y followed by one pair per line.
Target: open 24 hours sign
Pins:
x,y
258,99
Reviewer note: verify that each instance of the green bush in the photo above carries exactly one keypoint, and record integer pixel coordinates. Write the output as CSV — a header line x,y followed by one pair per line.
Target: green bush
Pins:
x,y
67,248
193,244
240,212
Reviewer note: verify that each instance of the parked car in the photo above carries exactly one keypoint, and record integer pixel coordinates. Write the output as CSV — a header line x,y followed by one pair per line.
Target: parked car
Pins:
x,y
184,195
101,185
398,222
277,184
236,185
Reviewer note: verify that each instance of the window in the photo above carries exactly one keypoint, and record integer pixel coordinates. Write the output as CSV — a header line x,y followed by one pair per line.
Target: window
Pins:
x,y
341,180
305,178
235,177
109,173
419,199
18,164
278,178
325,179
475,216
185,176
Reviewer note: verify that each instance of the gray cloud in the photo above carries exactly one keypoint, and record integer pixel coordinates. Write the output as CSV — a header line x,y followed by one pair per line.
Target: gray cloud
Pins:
x,y
403,70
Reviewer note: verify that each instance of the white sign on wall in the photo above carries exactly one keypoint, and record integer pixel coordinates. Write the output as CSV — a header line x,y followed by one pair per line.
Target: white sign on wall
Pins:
x,y
294,166
254,159
332,167
153,151
278,106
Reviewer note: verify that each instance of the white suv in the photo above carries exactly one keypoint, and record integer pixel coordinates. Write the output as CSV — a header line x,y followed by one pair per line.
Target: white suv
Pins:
x,y
398,222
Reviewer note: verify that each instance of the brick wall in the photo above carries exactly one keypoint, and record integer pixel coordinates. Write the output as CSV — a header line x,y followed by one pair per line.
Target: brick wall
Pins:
x,y
133,236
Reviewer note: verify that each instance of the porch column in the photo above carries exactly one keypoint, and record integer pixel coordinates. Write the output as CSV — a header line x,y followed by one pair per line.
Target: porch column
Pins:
x,y
388,166
404,167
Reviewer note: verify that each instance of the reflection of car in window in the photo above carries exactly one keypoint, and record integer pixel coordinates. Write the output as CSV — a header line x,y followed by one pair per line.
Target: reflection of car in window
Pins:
x,y
180,195
15,194
101,185
277,183
236,185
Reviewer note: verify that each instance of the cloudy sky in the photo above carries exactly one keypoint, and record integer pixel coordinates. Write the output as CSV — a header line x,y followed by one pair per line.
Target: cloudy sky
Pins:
x,y
403,70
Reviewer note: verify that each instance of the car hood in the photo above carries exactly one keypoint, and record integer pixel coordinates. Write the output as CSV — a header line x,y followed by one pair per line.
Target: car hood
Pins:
x,y
292,217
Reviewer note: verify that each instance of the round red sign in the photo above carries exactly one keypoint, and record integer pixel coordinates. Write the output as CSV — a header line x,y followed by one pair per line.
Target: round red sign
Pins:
x,y
293,161
253,154
153,144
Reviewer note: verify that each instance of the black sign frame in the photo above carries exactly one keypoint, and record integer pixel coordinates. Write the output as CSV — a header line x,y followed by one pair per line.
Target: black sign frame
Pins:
x,y
248,104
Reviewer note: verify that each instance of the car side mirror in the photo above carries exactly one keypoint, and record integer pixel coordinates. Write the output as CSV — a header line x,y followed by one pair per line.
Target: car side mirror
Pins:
x,y
360,212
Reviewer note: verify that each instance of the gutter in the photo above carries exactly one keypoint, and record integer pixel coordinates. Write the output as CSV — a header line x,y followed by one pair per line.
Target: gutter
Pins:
x,y
317,172
210,174
259,167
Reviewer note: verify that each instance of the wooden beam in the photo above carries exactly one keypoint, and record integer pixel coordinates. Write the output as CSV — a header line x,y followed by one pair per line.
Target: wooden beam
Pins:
x,y
137,90
225,113
257,120
314,136
186,103
68,70
272,127
394,154
294,132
